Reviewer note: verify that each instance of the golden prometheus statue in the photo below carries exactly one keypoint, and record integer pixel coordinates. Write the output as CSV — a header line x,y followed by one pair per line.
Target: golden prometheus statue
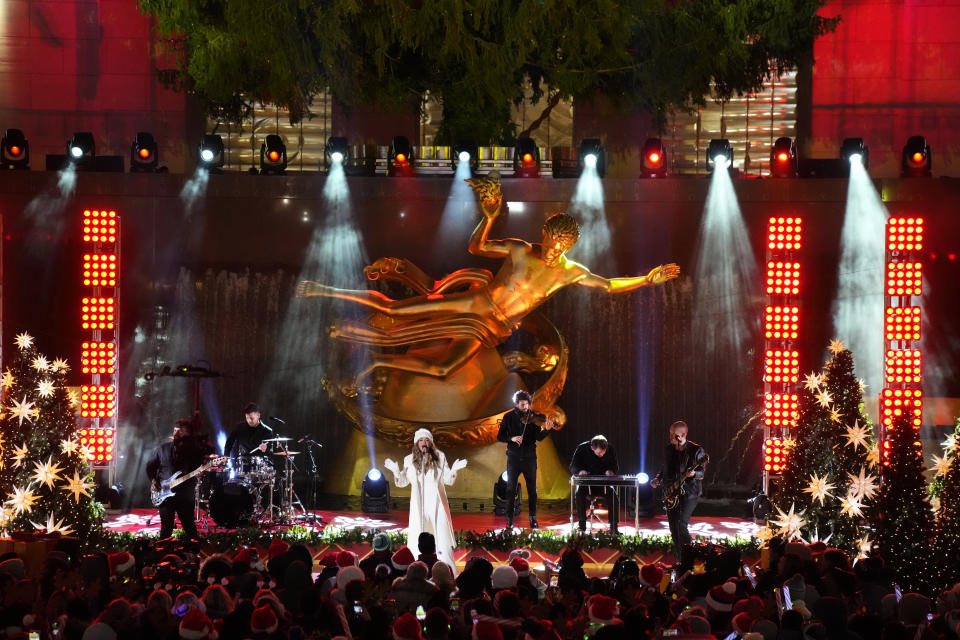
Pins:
x,y
432,358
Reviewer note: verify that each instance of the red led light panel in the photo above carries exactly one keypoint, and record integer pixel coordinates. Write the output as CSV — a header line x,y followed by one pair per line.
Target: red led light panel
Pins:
x,y
783,278
903,366
781,323
99,226
904,278
99,270
99,443
896,402
901,323
781,366
98,401
905,234
783,234
97,313
774,455
98,358
780,409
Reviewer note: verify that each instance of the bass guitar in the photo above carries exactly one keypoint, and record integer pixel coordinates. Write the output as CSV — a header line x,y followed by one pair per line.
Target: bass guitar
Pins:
x,y
178,478
674,489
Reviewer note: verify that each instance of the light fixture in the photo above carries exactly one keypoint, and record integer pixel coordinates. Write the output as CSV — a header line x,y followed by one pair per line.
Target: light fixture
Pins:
x,y
337,152
400,157
526,158
653,160
916,161
211,152
374,492
641,499
81,149
273,155
14,150
466,152
719,152
592,155
501,492
143,153
783,158
855,150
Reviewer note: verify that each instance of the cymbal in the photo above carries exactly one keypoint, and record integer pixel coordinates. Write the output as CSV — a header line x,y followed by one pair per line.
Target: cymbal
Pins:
x,y
278,439
285,453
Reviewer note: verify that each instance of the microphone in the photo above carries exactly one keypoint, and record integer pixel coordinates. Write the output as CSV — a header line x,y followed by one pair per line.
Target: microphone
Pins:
x,y
278,419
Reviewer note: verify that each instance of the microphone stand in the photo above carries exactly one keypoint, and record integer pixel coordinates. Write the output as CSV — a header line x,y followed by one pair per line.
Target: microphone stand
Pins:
x,y
316,518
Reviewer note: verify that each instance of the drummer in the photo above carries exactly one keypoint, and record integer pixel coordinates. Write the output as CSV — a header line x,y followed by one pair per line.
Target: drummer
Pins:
x,y
248,436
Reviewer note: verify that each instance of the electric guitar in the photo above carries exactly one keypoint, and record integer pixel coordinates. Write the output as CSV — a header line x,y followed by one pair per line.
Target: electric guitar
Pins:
x,y
674,489
171,483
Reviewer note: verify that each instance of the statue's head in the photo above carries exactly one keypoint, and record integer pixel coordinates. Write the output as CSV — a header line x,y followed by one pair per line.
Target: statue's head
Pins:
x,y
560,233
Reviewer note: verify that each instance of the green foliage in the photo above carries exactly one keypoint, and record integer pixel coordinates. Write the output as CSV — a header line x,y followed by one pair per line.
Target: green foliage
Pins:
x,y
39,436
645,54
946,541
904,522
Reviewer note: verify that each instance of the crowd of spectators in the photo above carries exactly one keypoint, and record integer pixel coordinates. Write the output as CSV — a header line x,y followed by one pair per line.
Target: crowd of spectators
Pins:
x,y
165,591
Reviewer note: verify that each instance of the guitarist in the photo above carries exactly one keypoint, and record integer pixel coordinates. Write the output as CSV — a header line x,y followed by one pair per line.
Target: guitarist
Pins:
x,y
521,430
684,458
185,452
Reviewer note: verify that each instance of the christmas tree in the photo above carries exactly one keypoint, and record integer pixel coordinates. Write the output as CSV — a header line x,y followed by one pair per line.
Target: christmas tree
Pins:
x,y
45,479
904,518
824,491
946,540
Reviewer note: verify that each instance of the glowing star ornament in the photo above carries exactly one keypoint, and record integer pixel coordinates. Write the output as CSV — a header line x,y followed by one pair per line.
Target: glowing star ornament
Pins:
x,y
862,385
46,473
819,488
24,340
23,410
7,380
790,523
951,444
835,415
863,487
836,346
74,398
52,527
858,436
19,453
812,381
40,363
941,465
873,456
4,516
824,398
789,442
21,501
77,486
69,447
45,389
851,506
764,535
866,546
59,366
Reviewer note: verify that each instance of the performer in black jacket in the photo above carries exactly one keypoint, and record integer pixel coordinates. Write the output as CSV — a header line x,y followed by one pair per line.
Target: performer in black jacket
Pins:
x,y
185,452
520,429
687,458
247,438
596,457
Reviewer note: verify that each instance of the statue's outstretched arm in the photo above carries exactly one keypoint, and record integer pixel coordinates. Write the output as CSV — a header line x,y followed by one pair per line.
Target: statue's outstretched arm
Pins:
x,y
491,200
657,275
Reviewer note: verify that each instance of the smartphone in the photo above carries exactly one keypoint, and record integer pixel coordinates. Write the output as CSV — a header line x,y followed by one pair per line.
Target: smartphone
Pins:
x,y
787,601
34,635
752,578
454,603
554,580
673,576
897,592
929,617
358,608
668,632
473,616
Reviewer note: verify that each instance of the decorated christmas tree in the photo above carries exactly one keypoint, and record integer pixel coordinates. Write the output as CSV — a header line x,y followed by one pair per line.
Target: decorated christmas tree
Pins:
x,y
946,540
45,480
904,518
827,485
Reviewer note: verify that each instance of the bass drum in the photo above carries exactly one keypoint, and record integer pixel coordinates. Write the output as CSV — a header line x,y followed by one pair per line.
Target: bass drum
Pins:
x,y
231,504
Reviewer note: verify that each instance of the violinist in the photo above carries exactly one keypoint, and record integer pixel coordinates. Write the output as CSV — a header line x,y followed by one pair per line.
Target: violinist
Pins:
x,y
521,429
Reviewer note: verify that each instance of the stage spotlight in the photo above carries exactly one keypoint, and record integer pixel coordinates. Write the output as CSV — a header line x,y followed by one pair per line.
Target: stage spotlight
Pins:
x,y
854,150
916,161
211,152
273,155
653,159
719,152
760,506
466,152
374,492
592,154
500,496
526,158
641,500
400,157
143,153
337,151
14,150
783,158
81,150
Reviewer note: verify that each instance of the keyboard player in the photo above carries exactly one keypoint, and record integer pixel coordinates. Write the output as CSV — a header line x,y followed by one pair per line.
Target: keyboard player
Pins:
x,y
595,457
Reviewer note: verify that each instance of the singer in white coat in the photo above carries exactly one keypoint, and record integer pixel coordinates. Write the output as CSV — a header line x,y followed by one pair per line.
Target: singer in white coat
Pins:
x,y
426,471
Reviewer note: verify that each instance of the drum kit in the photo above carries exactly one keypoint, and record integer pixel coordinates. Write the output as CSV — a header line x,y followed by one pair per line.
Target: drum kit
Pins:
x,y
254,490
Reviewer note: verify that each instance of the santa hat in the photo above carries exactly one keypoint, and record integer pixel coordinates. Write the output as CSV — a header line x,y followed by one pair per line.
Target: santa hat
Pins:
x,y
722,597
407,627
263,620
122,563
486,630
346,575
651,575
329,559
503,577
521,566
741,623
195,625
402,558
751,605
346,559
277,546
422,433
603,609
243,556
539,630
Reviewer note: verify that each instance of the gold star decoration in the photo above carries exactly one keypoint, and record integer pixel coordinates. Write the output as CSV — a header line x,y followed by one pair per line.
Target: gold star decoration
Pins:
x,y
53,527
790,523
74,398
835,415
857,436
941,465
824,398
45,389
851,506
68,446
836,346
7,380
40,363
866,546
764,534
789,442
951,444
4,516
812,381
863,486
862,384
59,366
22,500
819,488
873,456
19,453
22,409
78,486
24,340
46,472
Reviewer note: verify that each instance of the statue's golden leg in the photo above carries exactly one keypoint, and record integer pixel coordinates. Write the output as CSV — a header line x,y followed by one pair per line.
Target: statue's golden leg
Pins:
x,y
456,302
455,355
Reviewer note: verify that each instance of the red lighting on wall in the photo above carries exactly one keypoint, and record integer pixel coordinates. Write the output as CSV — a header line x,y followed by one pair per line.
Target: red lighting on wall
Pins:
x,y
783,278
97,401
896,402
781,366
98,313
99,270
781,322
901,323
783,234
98,358
774,455
99,226
905,234
903,366
99,444
780,409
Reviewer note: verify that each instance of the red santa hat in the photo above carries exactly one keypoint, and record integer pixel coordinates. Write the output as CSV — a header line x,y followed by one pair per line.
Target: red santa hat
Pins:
x,y
651,575
722,597
277,546
264,620
741,623
521,566
540,630
603,610
402,558
121,563
346,559
243,556
486,630
407,627
329,559
195,625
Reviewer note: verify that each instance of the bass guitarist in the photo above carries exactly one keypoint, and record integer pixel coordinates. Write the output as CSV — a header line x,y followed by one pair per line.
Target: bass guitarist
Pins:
x,y
185,452
684,462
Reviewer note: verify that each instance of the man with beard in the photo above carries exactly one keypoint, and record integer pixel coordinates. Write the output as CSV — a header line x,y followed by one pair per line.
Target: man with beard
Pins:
x,y
425,469
185,452
521,430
